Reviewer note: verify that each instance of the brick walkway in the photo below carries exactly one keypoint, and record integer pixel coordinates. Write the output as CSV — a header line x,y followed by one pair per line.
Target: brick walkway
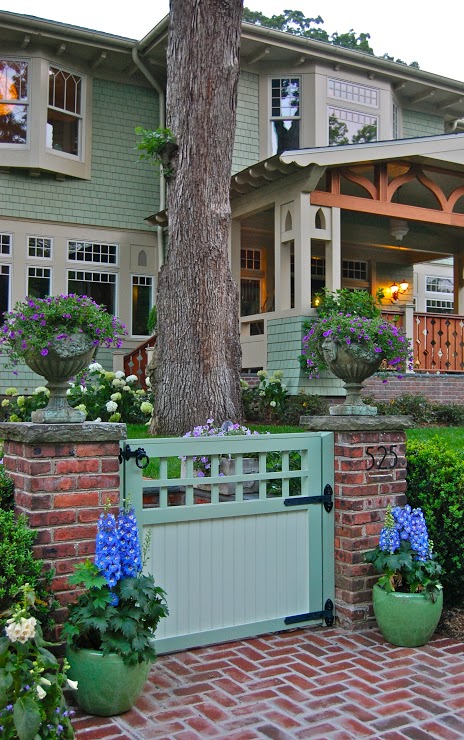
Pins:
x,y
322,684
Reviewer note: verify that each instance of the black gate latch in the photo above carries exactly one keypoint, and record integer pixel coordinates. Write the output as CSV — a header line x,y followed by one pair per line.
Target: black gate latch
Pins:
x,y
141,457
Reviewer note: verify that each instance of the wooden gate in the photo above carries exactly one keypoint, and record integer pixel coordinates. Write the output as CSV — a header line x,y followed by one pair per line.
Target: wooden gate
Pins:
x,y
239,553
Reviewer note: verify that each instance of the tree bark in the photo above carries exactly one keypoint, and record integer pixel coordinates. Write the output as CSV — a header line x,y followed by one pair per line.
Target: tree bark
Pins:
x,y
198,356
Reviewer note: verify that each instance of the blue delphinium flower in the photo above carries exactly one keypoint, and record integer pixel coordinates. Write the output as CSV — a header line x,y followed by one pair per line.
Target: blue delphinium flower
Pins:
x,y
107,556
389,540
411,526
129,544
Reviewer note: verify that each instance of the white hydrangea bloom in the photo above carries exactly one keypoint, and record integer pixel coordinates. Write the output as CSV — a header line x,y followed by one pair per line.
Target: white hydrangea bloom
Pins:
x,y
147,381
115,396
41,389
126,388
111,406
118,383
131,379
95,367
119,374
146,407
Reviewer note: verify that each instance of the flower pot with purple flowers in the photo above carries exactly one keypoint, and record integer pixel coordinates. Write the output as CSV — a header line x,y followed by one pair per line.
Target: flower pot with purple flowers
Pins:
x,y
350,338
110,629
408,597
57,337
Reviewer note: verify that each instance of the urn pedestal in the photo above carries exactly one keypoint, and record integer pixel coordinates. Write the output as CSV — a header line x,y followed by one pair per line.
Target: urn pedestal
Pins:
x,y
353,364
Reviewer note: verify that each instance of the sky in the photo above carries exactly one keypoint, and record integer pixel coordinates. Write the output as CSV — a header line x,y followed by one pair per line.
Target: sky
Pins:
x,y
411,30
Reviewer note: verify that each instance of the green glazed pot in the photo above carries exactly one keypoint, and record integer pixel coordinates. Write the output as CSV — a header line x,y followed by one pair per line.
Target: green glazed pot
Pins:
x,y
106,686
406,620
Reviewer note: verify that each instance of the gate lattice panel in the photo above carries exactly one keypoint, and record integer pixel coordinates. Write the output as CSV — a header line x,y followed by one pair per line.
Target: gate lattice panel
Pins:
x,y
247,552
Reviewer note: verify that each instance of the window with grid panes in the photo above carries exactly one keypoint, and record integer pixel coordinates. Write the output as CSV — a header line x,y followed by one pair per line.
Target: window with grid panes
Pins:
x,y
285,114
14,105
355,270
351,91
101,286
39,246
64,111
250,259
439,284
433,305
39,281
96,252
5,244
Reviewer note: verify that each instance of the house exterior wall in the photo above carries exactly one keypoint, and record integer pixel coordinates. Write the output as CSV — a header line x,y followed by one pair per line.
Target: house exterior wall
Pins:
x,y
416,123
246,145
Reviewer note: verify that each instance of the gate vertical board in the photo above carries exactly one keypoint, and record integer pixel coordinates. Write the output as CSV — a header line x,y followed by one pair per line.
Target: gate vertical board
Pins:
x,y
236,564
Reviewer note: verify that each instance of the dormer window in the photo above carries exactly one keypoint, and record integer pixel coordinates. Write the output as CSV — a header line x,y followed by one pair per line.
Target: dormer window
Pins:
x,y
13,101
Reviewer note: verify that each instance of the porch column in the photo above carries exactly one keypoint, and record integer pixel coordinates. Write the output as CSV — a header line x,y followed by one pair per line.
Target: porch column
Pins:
x,y
302,231
333,253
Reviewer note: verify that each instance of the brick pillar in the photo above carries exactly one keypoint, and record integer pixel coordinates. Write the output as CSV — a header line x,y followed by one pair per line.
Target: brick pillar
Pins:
x,y
370,473
64,474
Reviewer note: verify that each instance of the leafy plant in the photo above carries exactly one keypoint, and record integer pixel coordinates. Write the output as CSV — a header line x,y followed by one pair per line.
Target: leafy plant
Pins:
x,y
32,703
435,482
110,396
266,401
152,320
404,555
120,608
158,146
37,324
17,407
6,490
18,566
353,318
202,465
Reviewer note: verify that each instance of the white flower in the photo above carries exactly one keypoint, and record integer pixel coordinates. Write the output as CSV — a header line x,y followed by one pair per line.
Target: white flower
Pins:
x,y
126,388
118,383
273,404
131,379
40,692
41,389
146,407
147,381
111,406
69,391
115,396
83,389
97,419
81,407
95,367
20,630
119,374
44,681
71,684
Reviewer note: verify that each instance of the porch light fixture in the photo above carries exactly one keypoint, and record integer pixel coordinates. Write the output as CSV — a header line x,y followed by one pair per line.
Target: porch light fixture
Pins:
x,y
398,228
396,289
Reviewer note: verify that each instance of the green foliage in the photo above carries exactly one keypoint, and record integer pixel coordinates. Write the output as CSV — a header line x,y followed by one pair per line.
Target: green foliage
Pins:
x,y
421,409
158,146
32,704
401,571
294,22
266,401
344,301
6,490
125,628
109,396
18,566
303,404
16,407
152,320
435,482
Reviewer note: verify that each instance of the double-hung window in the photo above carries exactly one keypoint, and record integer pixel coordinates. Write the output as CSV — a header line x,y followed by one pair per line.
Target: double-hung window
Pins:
x,y
347,124
285,114
64,111
14,103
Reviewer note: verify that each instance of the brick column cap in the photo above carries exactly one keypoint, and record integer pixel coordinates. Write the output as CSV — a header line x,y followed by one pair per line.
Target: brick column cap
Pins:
x,y
374,423
41,433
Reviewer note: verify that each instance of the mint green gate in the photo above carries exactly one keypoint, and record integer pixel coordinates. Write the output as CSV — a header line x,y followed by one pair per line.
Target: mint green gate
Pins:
x,y
239,553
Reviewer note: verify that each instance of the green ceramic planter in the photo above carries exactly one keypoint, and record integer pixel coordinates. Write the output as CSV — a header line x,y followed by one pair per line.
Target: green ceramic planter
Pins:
x,y
407,620
106,686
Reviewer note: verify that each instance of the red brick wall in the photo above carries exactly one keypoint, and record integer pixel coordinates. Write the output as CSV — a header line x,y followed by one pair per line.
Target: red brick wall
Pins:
x,y
447,389
63,488
361,498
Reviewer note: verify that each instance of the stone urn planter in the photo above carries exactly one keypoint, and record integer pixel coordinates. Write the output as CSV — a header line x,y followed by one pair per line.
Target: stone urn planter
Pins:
x,y
353,364
65,359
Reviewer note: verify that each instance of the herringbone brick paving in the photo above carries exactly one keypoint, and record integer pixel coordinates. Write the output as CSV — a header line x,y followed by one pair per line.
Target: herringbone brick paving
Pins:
x,y
320,684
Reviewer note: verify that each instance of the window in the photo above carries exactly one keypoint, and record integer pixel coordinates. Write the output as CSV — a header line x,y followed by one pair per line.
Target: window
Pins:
x,y
142,301
435,306
4,290
356,93
252,281
5,244
14,101
39,283
285,114
38,246
351,127
103,254
64,111
354,270
250,259
101,286
439,284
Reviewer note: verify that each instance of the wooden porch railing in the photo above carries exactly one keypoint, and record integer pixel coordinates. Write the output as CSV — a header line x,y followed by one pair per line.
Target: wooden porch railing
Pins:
x,y
438,343
135,362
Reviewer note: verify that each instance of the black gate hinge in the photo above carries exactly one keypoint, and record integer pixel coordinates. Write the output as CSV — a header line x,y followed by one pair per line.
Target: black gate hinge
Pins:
x,y
141,457
326,499
327,614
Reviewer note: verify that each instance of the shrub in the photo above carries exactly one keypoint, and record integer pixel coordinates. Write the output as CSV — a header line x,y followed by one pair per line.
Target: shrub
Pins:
x,y
16,407
108,396
449,414
18,566
435,483
266,401
6,490
303,404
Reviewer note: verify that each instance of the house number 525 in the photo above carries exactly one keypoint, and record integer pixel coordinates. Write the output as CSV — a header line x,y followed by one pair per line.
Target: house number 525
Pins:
x,y
381,457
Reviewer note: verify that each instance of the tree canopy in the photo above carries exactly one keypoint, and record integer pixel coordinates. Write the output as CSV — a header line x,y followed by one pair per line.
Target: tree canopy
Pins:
x,y
295,22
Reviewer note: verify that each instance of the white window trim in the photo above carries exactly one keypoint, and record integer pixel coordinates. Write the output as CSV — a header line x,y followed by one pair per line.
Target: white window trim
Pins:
x,y
354,102
10,282
100,272
34,256
10,253
145,276
110,265
40,267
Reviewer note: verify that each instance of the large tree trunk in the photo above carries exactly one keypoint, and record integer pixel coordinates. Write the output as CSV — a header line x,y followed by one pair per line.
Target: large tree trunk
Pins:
x,y
198,355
